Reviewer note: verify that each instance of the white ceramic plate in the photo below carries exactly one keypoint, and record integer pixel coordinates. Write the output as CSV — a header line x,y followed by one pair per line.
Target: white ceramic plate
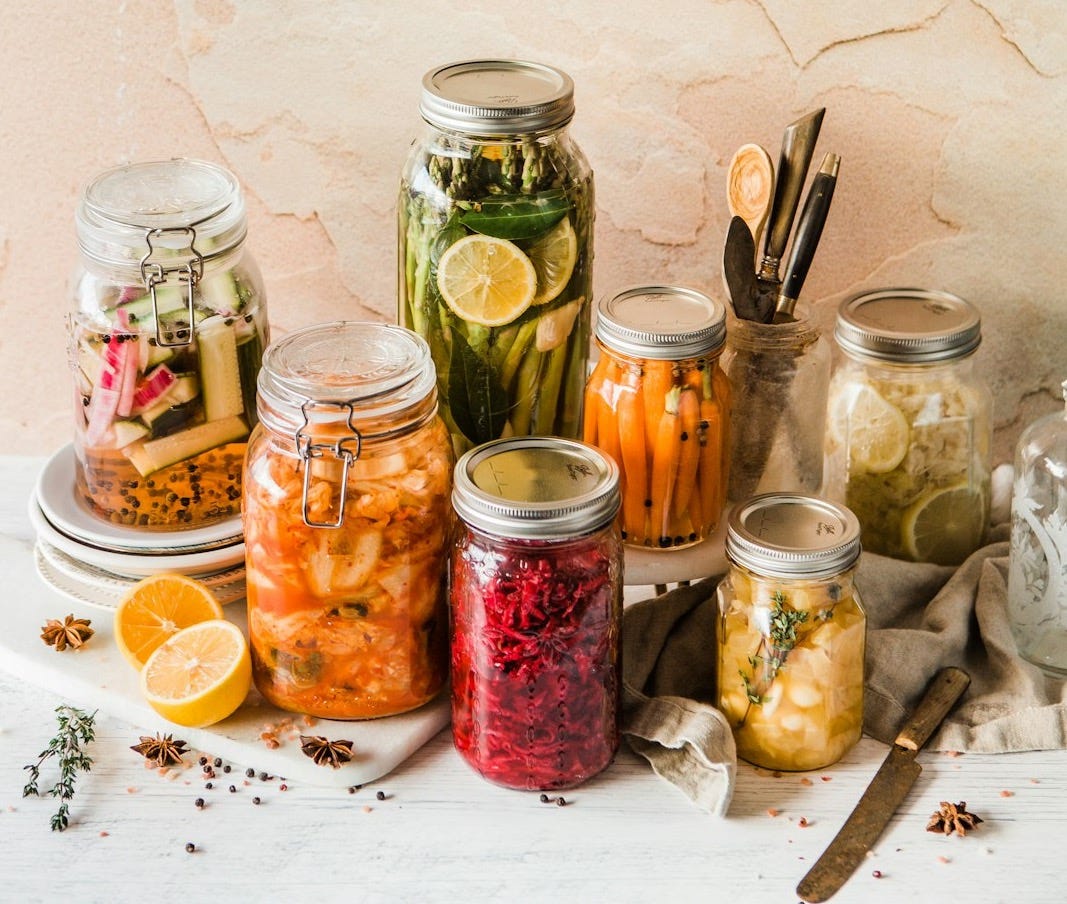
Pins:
x,y
59,501
95,587
132,564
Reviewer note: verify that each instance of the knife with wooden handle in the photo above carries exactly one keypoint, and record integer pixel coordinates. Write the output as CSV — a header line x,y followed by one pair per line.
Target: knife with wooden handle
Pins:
x,y
806,239
886,791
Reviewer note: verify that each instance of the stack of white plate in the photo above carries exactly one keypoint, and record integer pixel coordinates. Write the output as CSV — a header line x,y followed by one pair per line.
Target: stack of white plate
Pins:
x,y
94,561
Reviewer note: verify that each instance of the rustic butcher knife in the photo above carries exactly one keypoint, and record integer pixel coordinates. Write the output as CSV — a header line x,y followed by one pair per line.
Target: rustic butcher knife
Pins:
x,y
886,791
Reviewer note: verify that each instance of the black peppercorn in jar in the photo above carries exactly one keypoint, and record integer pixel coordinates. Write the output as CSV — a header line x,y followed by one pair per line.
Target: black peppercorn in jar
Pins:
x,y
166,338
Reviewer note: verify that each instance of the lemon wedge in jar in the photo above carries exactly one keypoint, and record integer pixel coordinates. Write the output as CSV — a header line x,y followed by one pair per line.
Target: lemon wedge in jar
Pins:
x,y
944,526
200,675
554,256
486,280
876,429
155,609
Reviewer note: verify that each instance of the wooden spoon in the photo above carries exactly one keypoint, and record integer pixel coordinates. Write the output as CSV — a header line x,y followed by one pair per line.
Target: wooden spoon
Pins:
x,y
750,187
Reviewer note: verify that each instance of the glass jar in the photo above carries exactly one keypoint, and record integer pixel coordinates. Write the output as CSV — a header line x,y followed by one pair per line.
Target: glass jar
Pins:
x,y
778,374
792,632
910,425
496,249
165,342
658,403
1037,593
536,609
347,522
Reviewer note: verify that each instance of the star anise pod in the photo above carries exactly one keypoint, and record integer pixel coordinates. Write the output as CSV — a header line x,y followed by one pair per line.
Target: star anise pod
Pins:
x,y
953,818
71,632
162,751
326,752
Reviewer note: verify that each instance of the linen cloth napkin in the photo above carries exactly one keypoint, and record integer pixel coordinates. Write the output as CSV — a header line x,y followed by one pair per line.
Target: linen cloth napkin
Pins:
x,y
920,618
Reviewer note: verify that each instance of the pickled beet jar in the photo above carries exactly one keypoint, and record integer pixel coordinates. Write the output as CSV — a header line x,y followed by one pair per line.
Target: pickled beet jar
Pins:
x,y
536,607
347,522
166,335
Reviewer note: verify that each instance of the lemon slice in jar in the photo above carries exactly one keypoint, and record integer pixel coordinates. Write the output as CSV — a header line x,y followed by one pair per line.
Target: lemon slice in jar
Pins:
x,y
486,280
945,525
554,256
200,675
877,430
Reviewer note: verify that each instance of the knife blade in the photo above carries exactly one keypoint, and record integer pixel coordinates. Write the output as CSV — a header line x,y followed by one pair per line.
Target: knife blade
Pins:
x,y
738,259
798,145
806,239
886,791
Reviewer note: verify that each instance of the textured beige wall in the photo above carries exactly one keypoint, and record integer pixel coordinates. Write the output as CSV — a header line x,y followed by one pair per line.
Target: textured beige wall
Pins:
x,y
949,116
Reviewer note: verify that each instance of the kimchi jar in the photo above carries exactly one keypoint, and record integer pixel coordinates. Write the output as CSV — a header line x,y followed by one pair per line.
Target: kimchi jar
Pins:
x,y
657,402
347,522
536,606
792,632
165,342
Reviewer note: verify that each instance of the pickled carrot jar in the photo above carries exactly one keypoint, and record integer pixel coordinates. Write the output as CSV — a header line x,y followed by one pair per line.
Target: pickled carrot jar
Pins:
x,y
347,523
536,610
658,403
910,424
165,343
792,632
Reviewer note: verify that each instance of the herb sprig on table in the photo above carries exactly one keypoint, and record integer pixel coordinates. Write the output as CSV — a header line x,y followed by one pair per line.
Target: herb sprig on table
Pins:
x,y
75,731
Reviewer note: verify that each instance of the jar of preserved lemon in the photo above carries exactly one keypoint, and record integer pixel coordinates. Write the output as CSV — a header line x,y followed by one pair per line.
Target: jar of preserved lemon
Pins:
x,y
658,403
347,522
496,248
792,632
910,426
165,342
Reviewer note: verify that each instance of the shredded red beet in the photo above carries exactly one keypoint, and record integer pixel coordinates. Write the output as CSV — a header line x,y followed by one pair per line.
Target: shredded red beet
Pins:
x,y
535,659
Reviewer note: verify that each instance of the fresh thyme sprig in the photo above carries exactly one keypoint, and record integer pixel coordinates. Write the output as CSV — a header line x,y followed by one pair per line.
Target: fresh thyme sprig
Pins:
x,y
781,638
76,729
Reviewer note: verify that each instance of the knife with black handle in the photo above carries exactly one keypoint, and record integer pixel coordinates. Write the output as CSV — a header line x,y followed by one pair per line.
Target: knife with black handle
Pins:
x,y
798,145
806,239
886,791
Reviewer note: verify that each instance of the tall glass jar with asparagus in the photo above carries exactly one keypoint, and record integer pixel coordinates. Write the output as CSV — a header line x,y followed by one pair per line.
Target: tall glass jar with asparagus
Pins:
x,y
496,246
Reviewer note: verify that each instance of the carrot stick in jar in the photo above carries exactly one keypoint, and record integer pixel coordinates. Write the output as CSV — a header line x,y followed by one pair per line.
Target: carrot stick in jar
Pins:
x,y
631,419
656,381
665,467
689,451
607,431
593,389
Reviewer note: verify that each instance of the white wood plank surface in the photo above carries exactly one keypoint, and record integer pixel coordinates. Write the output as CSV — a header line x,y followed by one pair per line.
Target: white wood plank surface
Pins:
x,y
443,834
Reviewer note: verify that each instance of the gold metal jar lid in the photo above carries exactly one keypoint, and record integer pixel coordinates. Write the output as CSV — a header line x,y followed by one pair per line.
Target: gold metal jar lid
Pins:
x,y
789,535
536,487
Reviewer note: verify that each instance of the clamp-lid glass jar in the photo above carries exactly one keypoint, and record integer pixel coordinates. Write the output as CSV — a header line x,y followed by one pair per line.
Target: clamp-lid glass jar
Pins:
x,y
910,426
496,248
536,607
792,632
166,338
658,403
347,522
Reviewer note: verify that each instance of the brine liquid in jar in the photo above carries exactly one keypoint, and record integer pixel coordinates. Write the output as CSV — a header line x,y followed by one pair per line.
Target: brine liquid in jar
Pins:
x,y
536,599
658,403
792,632
165,343
347,524
909,432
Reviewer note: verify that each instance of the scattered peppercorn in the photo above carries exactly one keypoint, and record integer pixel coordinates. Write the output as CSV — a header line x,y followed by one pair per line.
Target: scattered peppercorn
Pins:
x,y
233,789
380,795
351,789
544,798
250,772
218,761
209,786
877,874
199,803
226,768
255,800
202,761
190,847
263,776
283,787
560,802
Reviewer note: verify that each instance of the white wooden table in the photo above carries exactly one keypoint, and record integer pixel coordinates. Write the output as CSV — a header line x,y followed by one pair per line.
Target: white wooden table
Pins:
x,y
444,834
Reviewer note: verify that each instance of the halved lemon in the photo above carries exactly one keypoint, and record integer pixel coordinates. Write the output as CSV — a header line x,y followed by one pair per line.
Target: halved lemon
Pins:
x,y
876,430
486,280
200,675
554,256
156,609
944,526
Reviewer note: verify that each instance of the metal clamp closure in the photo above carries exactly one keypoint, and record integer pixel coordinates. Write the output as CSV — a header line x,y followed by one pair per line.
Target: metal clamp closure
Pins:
x,y
308,450
155,274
